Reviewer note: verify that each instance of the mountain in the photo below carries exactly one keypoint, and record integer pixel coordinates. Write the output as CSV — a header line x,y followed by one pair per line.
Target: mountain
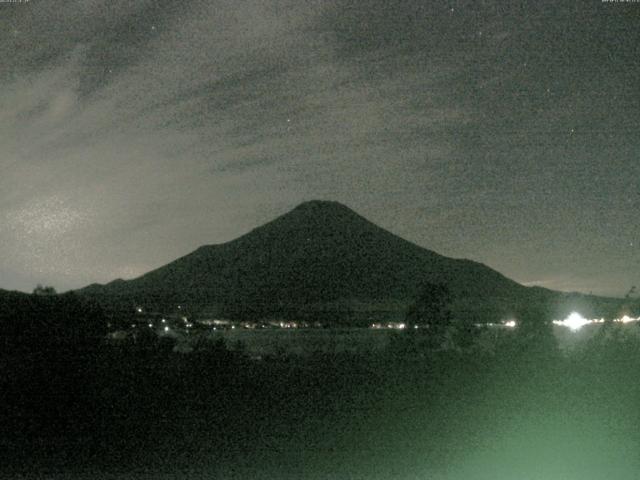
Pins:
x,y
321,259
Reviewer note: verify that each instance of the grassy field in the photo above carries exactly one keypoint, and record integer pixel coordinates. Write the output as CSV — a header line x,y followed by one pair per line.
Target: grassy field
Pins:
x,y
524,411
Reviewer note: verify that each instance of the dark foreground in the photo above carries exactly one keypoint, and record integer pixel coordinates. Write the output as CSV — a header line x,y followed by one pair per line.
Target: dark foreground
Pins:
x,y
142,411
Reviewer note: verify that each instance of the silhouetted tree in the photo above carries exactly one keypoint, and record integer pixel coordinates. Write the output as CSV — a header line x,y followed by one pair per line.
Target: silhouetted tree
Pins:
x,y
464,333
632,301
47,290
534,331
431,312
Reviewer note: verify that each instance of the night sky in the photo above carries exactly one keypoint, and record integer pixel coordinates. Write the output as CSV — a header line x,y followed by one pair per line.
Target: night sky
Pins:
x,y
132,132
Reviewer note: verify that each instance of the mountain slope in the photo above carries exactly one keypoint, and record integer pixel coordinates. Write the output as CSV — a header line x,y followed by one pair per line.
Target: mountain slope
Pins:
x,y
321,256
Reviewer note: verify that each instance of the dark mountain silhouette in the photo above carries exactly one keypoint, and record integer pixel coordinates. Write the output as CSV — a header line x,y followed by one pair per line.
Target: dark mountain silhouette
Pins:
x,y
321,257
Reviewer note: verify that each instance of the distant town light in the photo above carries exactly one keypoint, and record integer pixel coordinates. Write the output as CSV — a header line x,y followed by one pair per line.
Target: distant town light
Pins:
x,y
510,324
166,329
151,325
139,309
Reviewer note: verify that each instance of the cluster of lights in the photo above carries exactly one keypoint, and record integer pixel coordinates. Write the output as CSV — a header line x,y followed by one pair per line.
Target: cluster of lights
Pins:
x,y
627,319
288,325
575,321
390,325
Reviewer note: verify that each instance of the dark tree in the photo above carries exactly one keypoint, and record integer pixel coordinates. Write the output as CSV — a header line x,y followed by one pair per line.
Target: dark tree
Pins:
x,y
431,312
535,331
632,301
631,293
47,290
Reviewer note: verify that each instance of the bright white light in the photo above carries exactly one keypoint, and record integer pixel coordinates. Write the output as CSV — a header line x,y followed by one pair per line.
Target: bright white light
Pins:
x,y
627,319
574,322
510,324
166,329
401,326
139,309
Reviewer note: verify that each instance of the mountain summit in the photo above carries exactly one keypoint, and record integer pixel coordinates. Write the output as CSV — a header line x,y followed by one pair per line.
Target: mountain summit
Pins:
x,y
321,258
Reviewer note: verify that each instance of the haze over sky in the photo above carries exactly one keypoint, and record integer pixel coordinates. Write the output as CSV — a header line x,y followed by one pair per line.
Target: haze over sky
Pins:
x,y
133,132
